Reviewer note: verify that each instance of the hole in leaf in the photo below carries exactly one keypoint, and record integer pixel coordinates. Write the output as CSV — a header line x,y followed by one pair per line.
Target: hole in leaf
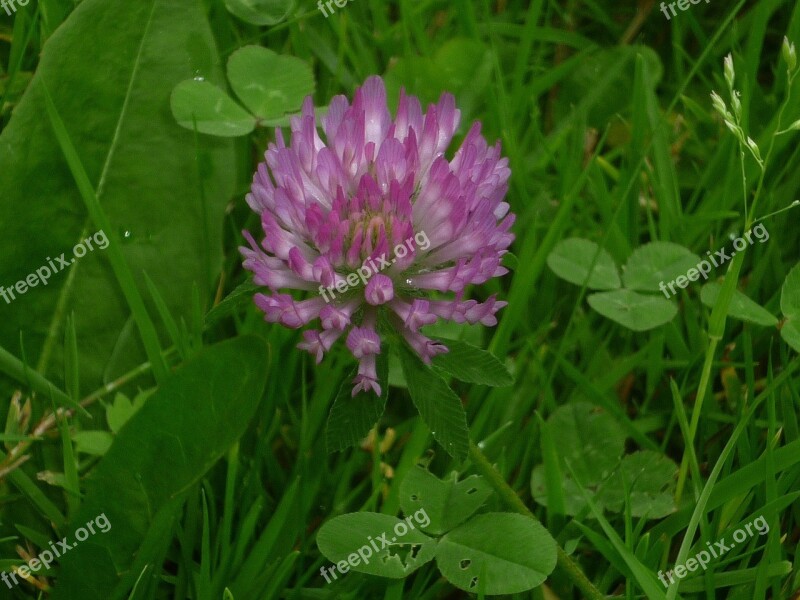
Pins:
x,y
385,558
414,497
415,548
472,490
465,563
473,582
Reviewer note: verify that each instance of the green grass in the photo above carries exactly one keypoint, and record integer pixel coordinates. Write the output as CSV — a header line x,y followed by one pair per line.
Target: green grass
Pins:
x,y
607,121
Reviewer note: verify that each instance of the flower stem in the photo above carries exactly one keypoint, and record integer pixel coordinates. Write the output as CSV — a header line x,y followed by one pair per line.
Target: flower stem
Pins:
x,y
513,501
719,313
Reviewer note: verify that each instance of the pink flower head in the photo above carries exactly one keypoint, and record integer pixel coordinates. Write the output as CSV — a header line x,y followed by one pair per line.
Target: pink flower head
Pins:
x,y
374,217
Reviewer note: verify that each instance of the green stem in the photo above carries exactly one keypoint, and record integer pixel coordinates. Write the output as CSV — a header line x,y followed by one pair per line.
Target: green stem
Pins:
x,y
513,501
719,313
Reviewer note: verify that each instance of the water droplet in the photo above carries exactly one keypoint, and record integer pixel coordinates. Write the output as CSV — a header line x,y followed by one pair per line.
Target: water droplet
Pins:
x,y
125,234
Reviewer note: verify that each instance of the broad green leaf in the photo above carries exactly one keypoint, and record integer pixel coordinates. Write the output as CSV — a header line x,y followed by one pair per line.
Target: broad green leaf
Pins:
x,y
183,429
95,443
572,258
269,84
111,86
659,262
437,404
376,544
650,477
741,307
351,418
469,363
447,502
260,12
633,310
212,111
497,553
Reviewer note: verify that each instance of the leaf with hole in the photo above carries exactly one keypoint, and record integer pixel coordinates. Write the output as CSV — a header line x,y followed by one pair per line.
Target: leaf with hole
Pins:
x,y
497,553
374,544
657,262
741,307
633,310
447,502
572,259
269,84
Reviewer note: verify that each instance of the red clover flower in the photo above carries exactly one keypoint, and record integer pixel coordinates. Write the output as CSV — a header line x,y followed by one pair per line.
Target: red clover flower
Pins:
x,y
378,225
